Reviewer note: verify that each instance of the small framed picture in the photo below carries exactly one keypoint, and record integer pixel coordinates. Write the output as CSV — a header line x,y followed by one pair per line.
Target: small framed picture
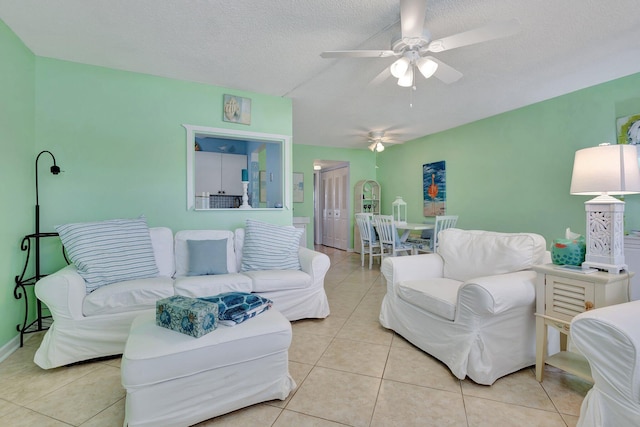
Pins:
x,y
236,109
298,187
263,186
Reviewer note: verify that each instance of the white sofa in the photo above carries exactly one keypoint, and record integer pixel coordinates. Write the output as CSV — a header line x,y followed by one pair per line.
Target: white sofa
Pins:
x,y
471,304
609,337
87,326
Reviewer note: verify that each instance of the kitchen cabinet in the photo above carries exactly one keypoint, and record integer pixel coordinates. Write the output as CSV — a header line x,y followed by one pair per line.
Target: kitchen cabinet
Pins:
x,y
219,173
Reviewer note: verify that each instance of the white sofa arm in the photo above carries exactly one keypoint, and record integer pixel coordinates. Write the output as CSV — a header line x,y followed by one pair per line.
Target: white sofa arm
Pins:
x,y
499,293
417,267
609,337
63,293
315,264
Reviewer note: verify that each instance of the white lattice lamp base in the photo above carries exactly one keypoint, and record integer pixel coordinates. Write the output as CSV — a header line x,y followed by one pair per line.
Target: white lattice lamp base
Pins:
x,y
605,234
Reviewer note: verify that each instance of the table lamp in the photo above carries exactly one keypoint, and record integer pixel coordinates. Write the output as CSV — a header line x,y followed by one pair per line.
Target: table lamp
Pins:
x,y
604,171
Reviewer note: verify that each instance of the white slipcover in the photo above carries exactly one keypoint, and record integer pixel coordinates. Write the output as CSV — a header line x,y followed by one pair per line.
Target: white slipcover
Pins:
x,y
96,325
609,337
471,305
173,379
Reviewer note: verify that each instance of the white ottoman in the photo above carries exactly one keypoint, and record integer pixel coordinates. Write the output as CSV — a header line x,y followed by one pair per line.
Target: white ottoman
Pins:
x,y
173,379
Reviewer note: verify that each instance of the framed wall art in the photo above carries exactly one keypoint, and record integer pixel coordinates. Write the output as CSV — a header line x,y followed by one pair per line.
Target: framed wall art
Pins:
x,y
434,188
629,129
298,187
263,186
236,109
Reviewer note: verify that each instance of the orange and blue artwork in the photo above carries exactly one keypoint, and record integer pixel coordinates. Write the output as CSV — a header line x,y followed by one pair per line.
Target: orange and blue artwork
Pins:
x,y
434,185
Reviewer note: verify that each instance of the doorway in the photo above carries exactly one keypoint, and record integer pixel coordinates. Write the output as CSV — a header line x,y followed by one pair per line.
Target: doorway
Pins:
x,y
331,205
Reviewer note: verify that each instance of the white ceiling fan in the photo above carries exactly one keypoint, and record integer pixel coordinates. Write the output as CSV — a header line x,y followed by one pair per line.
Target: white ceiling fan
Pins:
x,y
376,140
414,44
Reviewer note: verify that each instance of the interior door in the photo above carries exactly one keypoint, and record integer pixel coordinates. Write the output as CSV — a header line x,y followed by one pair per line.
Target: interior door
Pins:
x,y
335,212
328,209
341,208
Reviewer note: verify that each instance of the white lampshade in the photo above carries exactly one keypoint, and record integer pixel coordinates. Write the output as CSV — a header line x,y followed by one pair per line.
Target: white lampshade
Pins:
x,y
400,67
379,147
427,67
407,79
606,169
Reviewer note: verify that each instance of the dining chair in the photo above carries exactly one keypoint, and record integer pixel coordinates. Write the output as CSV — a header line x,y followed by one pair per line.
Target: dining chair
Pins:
x,y
369,242
428,241
390,244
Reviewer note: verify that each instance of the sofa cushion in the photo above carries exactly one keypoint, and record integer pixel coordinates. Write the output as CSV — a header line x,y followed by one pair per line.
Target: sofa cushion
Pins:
x,y
205,286
278,280
437,296
207,257
475,253
182,248
162,242
270,247
110,251
132,295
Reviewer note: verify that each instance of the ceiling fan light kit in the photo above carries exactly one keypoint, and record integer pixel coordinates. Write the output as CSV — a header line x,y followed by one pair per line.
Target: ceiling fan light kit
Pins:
x,y
427,67
406,80
400,67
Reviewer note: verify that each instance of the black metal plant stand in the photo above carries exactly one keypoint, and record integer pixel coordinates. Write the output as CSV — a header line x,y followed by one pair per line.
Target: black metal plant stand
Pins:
x,y
42,322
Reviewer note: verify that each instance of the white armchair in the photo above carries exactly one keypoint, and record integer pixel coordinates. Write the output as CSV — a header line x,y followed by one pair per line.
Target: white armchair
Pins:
x,y
472,304
609,337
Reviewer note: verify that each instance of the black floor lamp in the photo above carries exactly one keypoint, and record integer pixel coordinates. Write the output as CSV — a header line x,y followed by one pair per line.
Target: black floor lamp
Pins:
x,y
55,169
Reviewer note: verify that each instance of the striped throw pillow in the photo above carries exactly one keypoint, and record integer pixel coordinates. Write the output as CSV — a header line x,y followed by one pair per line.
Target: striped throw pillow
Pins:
x,y
270,247
110,251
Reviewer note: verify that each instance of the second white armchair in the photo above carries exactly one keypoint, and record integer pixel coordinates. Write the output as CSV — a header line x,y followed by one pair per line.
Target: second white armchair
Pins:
x,y
471,304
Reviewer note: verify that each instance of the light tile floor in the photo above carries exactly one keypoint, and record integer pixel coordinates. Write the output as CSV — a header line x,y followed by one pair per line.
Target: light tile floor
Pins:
x,y
350,372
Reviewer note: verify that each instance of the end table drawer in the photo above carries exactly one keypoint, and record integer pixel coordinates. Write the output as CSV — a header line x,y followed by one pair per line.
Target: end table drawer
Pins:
x,y
566,298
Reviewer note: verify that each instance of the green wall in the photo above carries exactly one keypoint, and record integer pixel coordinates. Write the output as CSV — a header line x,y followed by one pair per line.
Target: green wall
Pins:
x,y
361,166
16,171
119,139
512,172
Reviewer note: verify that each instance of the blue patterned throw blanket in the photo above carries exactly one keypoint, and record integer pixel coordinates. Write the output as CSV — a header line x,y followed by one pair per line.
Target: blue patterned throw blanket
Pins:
x,y
236,307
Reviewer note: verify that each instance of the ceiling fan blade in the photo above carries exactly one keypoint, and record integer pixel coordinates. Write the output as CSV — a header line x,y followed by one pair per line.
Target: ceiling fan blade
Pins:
x,y
357,54
384,75
493,31
445,73
412,14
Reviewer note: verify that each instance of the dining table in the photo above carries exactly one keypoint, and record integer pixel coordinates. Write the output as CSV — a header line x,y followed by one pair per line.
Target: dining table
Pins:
x,y
408,227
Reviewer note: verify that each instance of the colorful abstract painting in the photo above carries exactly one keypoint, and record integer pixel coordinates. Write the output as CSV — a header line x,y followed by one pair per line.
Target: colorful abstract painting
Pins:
x,y
629,129
434,184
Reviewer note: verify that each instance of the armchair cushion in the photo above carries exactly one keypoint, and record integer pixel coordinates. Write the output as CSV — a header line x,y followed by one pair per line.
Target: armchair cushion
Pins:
x,y
110,251
475,253
437,296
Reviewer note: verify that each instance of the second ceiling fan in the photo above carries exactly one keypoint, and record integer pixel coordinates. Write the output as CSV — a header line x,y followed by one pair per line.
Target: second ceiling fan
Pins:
x,y
414,44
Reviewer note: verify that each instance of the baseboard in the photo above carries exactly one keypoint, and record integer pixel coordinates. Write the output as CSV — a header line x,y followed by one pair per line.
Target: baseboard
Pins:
x,y
8,349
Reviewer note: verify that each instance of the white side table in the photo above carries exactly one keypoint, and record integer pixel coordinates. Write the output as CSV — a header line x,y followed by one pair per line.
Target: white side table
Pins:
x,y
561,295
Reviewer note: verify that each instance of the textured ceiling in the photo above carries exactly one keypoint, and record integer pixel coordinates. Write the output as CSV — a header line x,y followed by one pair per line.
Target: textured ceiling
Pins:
x,y
273,47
